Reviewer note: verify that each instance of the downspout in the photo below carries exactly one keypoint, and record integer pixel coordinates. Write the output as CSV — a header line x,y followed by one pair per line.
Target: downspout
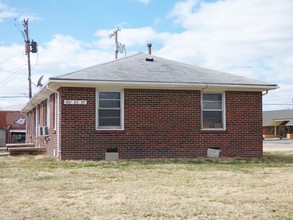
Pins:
x,y
37,120
265,93
206,87
58,155
201,104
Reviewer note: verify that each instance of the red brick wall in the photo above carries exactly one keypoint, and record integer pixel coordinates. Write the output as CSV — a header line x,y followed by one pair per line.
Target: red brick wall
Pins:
x,y
160,124
8,118
243,135
78,134
8,123
41,112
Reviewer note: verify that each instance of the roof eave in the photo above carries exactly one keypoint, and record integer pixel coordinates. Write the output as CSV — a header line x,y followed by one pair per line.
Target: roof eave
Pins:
x,y
275,122
42,94
55,83
154,84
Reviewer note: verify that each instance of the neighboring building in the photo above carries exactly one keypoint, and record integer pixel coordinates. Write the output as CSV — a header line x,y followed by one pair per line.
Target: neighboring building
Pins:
x,y
145,106
278,123
12,125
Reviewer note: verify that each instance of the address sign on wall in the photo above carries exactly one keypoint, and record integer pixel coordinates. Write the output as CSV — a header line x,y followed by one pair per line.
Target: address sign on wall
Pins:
x,y
75,102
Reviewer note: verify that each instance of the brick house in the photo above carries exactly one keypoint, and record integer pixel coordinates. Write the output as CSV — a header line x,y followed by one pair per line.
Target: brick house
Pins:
x,y
143,106
278,124
12,125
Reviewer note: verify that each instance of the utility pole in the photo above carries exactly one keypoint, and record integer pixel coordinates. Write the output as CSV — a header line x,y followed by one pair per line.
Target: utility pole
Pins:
x,y
27,52
115,34
30,47
119,47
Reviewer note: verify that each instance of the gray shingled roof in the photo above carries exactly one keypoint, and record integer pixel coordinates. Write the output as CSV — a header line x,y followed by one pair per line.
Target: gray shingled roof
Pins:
x,y
278,115
135,68
135,72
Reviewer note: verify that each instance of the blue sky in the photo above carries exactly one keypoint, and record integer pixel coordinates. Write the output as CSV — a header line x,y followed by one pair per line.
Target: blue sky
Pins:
x,y
82,19
249,38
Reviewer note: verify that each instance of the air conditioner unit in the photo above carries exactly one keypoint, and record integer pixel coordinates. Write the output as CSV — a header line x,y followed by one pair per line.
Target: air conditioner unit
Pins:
x,y
43,131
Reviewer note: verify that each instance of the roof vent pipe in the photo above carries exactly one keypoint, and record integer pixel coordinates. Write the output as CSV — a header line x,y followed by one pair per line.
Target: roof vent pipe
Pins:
x,y
149,49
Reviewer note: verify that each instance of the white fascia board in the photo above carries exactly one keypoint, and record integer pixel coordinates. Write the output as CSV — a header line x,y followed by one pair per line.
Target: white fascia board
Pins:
x,y
162,85
43,93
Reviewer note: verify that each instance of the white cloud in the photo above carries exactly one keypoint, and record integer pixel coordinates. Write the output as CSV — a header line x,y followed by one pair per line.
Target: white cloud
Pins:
x,y
249,38
13,71
236,28
62,54
131,37
128,36
6,12
230,35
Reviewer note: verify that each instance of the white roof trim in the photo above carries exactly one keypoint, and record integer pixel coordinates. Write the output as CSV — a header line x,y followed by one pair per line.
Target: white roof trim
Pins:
x,y
44,93
159,85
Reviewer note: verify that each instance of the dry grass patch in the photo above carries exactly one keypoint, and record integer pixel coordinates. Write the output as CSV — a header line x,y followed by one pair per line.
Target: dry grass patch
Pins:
x,y
42,188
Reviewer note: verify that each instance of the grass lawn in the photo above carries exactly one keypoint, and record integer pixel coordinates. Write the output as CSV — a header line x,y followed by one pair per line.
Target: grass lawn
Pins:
x,y
38,187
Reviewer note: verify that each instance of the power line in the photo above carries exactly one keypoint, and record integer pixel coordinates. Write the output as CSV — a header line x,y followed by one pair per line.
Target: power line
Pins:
x,y
11,77
13,71
8,81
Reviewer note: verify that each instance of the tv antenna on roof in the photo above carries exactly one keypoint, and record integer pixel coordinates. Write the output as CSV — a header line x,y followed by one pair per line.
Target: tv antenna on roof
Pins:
x,y
39,83
119,47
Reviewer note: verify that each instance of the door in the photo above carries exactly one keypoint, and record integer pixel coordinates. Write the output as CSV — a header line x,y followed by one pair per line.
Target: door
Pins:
x,y
283,131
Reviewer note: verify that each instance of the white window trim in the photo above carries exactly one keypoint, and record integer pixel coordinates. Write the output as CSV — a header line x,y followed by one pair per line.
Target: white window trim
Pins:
x,y
223,111
121,111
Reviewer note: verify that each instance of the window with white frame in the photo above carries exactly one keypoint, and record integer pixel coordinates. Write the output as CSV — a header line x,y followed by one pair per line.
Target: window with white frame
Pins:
x,y
213,111
109,110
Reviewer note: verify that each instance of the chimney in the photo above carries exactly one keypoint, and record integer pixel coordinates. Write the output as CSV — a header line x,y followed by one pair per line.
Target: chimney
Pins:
x,y
149,49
